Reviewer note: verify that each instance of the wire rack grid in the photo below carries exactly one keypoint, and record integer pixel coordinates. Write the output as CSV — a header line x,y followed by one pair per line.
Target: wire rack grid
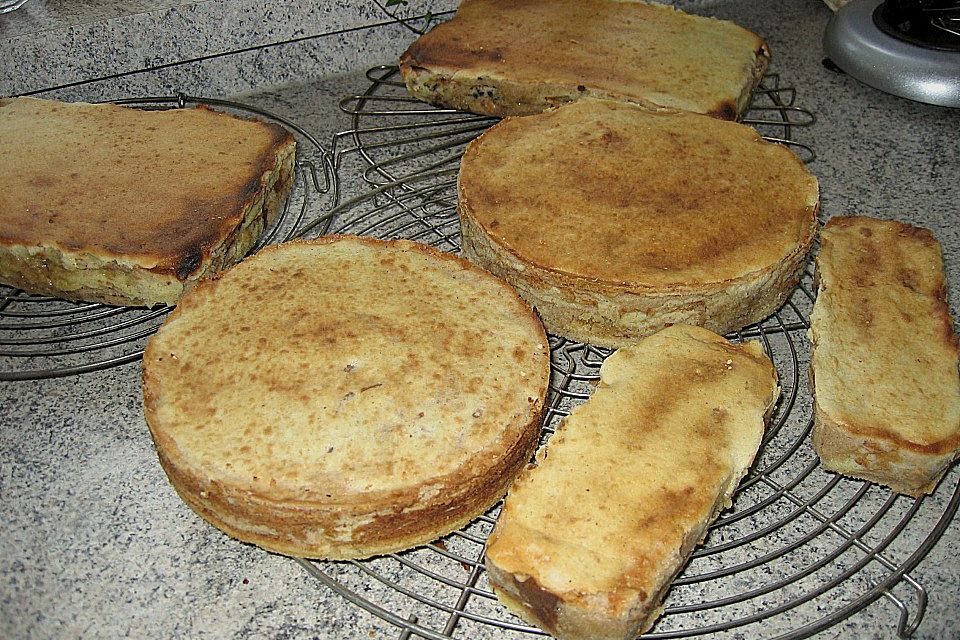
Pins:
x,y
801,549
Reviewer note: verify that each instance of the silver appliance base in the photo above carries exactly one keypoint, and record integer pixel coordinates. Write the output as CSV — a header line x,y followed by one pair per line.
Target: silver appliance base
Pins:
x,y
854,43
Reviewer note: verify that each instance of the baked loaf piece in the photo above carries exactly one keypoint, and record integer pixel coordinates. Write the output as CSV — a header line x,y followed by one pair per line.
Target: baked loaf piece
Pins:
x,y
519,57
615,221
124,206
646,465
346,397
884,365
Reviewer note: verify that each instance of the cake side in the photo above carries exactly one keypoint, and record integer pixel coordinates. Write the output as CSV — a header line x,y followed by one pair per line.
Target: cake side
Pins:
x,y
617,315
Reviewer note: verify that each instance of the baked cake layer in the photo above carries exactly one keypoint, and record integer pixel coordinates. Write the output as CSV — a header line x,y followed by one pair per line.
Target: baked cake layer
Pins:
x,y
111,204
884,367
589,539
518,57
615,221
346,397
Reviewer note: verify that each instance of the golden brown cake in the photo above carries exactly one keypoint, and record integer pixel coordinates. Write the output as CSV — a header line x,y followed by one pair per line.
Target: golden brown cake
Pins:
x,y
615,221
645,465
346,397
884,364
518,57
125,206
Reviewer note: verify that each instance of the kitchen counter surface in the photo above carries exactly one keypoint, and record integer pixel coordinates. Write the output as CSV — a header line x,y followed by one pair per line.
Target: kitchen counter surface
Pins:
x,y
225,44
96,544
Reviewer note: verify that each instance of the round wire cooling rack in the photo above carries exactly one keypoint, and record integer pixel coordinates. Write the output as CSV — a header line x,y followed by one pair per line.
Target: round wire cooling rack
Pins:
x,y
44,337
800,550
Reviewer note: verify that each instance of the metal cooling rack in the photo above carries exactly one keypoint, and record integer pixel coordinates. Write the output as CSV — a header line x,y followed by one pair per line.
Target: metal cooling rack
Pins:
x,y
796,536
44,337
800,551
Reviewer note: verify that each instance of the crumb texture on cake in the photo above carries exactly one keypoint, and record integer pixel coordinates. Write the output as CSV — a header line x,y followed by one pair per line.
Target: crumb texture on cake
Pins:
x,y
346,396
113,204
884,369
518,57
615,221
590,537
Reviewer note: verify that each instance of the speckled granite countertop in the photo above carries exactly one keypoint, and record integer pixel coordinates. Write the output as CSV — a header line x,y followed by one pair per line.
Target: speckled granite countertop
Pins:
x,y
95,543
225,46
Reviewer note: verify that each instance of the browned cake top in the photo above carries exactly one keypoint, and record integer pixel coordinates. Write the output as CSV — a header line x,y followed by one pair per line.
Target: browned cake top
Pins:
x,y
886,352
649,52
155,188
343,367
619,194
629,473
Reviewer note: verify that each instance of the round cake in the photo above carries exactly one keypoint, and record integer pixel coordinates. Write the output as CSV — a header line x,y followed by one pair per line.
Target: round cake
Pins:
x,y
346,397
615,221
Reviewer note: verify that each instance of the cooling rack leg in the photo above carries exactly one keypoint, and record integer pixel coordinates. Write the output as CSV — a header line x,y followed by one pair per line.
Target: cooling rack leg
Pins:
x,y
906,627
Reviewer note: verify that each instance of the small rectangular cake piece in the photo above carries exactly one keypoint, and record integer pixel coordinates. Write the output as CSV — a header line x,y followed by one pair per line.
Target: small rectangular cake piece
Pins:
x,y
519,57
111,204
590,537
884,370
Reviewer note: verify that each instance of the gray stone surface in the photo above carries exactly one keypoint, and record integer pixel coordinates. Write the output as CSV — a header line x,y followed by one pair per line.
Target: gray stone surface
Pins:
x,y
94,543
52,43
